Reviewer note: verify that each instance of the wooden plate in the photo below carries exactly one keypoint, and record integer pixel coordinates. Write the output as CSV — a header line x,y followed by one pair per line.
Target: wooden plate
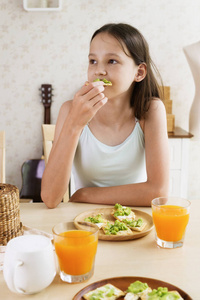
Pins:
x,y
107,215
123,282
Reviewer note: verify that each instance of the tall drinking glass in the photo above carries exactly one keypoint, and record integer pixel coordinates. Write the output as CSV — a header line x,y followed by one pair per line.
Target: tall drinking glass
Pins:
x,y
76,249
170,217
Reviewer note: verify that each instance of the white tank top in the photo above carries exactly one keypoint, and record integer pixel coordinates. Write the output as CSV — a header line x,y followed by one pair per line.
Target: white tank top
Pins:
x,y
97,164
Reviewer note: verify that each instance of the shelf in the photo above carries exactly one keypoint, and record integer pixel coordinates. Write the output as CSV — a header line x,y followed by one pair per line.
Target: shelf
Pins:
x,y
42,5
179,133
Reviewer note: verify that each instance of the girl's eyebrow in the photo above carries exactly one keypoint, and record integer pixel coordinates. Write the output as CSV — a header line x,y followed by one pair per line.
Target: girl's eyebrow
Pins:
x,y
107,54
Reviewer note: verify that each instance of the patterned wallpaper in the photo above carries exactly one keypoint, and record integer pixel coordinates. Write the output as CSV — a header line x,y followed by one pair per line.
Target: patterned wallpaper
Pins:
x,y
52,47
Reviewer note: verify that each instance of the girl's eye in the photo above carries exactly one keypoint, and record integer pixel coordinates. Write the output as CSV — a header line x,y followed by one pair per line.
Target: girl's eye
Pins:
x,y
112,61
92,61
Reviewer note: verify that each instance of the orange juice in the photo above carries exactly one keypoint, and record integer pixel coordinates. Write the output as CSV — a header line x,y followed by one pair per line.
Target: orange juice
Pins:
x,y
170,222
76,251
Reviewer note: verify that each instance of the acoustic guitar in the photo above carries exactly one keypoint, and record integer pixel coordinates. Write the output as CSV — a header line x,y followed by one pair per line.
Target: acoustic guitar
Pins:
x,y
32,170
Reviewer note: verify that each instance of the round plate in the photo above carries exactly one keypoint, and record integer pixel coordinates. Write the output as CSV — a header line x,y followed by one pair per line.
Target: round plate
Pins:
x,y
123,282
107,215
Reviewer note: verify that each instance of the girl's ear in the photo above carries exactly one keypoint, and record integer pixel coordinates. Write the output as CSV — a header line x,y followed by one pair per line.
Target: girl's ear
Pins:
x,y
141,72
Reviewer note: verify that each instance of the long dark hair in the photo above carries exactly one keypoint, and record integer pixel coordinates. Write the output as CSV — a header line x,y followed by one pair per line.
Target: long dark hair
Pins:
x,y
147,89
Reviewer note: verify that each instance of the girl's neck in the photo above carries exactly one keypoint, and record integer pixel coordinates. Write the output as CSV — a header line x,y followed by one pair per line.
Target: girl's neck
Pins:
x,y
116,113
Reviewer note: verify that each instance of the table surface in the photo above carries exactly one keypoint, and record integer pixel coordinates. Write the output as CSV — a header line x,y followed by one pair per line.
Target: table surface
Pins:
x,y
141,257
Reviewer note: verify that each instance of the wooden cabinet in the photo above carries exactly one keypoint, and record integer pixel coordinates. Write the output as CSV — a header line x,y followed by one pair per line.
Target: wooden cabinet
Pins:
x,y
179,157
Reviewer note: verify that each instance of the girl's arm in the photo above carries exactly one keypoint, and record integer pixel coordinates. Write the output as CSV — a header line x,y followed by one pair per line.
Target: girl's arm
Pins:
x,y
157,165
73,116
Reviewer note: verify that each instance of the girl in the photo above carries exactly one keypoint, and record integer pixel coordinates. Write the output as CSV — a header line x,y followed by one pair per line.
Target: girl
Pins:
x,y
113,138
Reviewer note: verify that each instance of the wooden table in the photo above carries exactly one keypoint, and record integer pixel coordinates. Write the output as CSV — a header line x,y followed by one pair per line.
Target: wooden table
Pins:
x,y
141,257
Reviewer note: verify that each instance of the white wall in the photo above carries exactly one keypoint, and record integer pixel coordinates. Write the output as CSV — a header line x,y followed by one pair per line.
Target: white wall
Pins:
x,y
41,47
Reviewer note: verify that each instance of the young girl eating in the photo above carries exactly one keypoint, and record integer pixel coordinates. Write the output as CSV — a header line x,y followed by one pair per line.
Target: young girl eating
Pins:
x,y
112,138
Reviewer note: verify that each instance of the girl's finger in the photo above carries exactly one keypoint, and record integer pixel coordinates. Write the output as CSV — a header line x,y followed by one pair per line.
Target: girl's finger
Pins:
x,y
89,86
99,104
97,98
93,93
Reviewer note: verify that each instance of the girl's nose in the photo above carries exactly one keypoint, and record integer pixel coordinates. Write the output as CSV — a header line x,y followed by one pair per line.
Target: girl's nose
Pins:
x,y
100,71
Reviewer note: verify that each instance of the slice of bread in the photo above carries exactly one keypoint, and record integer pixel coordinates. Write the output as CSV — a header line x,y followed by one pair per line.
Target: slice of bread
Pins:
x,y
165,296
117,228
105,292
131,216
96,219
137,290
136,225
120,213
143,295
139,228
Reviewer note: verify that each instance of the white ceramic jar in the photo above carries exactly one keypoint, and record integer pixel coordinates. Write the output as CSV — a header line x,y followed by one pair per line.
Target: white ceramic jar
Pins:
x,y
29,264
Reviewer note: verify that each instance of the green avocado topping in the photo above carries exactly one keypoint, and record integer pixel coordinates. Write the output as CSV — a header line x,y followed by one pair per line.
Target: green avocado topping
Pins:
x,y
95,219
162,293
113,229
96,296
137,287
134,223
110,293
121,210
104,80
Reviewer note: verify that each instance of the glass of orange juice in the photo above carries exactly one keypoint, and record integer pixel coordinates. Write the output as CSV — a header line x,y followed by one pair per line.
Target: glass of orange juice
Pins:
x,y
170,217
76,249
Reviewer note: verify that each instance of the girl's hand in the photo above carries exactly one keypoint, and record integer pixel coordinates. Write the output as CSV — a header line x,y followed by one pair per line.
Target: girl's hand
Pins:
x,y
87,101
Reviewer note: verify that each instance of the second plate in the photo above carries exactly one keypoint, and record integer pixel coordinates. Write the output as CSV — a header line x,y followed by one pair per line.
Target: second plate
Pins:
x,y
123,283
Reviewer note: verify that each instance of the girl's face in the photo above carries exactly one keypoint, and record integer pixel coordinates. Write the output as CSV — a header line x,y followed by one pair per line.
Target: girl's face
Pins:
x,y
107,59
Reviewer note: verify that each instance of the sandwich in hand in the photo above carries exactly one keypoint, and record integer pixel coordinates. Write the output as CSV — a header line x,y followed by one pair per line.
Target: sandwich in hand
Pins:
x,y
105,292
122,212
105,81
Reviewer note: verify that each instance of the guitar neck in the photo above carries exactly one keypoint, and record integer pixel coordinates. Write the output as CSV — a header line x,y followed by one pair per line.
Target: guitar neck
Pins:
x,y
47,116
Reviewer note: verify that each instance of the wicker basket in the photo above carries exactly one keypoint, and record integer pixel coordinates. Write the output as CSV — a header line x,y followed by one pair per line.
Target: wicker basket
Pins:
x,y
10,225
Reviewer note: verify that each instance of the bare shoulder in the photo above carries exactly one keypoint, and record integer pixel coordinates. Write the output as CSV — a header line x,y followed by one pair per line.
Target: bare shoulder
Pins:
x,y
155,119
155,113
156,108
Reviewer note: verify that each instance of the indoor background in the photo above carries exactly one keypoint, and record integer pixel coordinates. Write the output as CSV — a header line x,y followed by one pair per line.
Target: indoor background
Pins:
x,y
52,47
